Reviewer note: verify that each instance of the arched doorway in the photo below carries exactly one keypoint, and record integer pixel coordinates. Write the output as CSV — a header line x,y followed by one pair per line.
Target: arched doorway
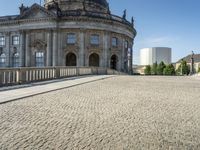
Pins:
x,y
70,59
113,62
94,60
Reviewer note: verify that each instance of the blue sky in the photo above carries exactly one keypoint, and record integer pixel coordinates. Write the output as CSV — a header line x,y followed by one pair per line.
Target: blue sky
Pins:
x,y
168,23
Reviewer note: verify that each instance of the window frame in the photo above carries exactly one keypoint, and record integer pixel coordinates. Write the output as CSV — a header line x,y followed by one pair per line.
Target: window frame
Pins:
x,y
15,40
126,44
2,41
114,43
95,39
40,59
16,60
72,40
2,60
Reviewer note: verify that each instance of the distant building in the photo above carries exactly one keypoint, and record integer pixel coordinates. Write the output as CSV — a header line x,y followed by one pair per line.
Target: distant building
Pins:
x,y
137,69
188,60
148,56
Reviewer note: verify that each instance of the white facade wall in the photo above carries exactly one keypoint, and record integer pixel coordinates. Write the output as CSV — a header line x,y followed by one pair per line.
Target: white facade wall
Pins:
x,y
148,56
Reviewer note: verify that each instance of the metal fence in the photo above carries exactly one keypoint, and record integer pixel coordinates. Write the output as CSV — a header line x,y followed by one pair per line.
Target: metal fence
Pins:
x,y
14,76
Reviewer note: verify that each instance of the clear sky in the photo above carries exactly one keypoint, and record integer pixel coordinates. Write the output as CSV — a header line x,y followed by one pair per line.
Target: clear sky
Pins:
x,y
168,23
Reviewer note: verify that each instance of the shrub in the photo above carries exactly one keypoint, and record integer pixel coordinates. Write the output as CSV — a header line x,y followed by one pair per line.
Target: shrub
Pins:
x,y
147,70
160,68
154,69
169,70
183,68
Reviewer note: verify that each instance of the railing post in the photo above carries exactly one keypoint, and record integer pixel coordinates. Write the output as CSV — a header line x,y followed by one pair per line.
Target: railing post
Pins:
x,y
57,69
22,76
1,78
77,71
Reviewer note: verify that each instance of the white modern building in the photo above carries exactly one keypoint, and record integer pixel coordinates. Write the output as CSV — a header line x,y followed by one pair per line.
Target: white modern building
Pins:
x,y
148,56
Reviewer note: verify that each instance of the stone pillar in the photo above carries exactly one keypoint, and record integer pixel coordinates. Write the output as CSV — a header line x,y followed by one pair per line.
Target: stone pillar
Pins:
x,y
8,50
28,51
22,49
105,50
81,49
130,60
49,49
123,54
55,48
59,49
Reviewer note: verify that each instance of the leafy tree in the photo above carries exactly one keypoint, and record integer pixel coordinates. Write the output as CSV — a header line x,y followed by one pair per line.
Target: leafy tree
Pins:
x,y
183,68
147,70
199,70
169,70
154,69
160,68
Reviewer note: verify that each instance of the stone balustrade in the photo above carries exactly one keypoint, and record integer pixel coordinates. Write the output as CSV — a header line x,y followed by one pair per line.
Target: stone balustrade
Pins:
x,y
14,76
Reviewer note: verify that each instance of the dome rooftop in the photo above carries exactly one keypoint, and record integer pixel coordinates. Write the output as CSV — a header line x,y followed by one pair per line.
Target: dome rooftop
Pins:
x,y
88,5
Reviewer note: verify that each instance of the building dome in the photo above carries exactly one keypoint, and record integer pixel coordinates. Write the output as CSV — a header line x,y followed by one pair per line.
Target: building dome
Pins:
x,y
88,5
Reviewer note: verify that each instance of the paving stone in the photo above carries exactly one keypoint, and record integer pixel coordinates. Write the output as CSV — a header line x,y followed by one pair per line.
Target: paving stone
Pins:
x,y
119,113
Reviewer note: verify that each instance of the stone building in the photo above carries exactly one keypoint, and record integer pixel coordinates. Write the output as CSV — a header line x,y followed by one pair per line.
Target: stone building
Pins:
x,y
67,33
196,58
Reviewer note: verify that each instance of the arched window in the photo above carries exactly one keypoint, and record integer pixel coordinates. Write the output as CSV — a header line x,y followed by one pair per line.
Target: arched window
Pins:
x,y
113,62
94,60
2,60
70,59
16,60
39,59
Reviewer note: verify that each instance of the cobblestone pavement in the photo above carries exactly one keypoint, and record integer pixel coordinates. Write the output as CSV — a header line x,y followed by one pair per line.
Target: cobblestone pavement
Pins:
x,y
119,113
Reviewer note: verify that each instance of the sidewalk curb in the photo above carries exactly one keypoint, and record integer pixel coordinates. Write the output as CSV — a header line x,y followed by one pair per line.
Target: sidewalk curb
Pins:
x,y
39,93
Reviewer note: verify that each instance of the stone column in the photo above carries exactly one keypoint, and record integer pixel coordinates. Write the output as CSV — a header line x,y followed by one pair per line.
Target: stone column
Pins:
x,y
8,50
55,48
81,49
49,49
28,51
59,49
123,55
22,49
106,59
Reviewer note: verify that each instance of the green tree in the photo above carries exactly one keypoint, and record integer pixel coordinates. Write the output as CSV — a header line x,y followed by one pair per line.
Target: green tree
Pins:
x,y
160,68
147,70
154,69
199,70
183,68
169,70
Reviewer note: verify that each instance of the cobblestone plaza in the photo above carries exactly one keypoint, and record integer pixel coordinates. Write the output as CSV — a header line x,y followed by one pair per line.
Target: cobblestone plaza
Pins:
x,y
117,113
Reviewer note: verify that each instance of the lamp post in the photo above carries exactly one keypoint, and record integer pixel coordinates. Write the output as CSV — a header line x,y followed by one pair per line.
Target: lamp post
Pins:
x,y
192,64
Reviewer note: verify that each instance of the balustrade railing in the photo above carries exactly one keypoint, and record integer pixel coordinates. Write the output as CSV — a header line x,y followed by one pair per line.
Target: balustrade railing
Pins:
x,y
14,76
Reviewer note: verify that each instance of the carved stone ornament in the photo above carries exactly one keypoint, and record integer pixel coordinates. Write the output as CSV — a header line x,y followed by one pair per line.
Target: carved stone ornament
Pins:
x,y
39,44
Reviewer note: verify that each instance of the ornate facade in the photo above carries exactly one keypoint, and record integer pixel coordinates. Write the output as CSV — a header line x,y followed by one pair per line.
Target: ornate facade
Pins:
x,y
67,33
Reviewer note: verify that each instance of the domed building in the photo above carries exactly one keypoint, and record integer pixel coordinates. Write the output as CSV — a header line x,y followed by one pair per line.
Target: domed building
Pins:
x,y
67,33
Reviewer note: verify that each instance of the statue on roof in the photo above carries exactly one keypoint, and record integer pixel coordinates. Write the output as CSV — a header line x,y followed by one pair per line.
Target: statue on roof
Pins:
x,y
124,15
132,21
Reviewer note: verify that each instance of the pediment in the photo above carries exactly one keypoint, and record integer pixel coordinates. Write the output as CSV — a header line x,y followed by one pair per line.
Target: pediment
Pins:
x,y
36,12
